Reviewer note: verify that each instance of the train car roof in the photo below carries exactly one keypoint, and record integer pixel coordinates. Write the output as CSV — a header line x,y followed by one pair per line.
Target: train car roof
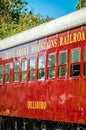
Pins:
x,y
58,25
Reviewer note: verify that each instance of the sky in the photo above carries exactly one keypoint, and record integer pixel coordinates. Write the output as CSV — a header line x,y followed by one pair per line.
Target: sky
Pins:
x,y
52,8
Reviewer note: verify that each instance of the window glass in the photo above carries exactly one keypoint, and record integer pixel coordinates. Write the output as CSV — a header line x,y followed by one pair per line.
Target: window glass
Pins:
x,y
75,56
41,74
51,72
1,74
16,67
85,69
16,71
75,65
32,75
41,66
85,54
24,68
16,77
63,64
7,67
32,63
6,78
75,70
1,79
24,65
63,58
41,62
51,60
62,71
1,69
51,65
23,76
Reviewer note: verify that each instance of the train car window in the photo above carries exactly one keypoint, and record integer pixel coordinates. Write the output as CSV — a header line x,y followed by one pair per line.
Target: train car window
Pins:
x,y
24,70
41,66
75,55
6,75
75,63
51,65
16,71
32,63
1,74
62,64
32,69
85,61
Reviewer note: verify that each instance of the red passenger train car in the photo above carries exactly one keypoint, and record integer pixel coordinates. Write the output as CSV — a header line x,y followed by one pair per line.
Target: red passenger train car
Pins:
x,y
43,75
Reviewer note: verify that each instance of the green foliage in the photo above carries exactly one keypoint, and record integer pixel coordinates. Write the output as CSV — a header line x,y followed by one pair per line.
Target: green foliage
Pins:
x,y
13,8
81,4
14,18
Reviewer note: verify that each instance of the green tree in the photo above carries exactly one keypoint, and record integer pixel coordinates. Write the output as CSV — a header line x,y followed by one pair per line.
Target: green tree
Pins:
x,y
15,17
12,8
81,4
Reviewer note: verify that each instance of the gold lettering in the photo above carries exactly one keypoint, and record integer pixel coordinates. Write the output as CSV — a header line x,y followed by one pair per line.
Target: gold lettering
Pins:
x,y
83,36
65,40
74,37
61,41
29,105
79,36
48,45
44,105
36,105
70,37
54,43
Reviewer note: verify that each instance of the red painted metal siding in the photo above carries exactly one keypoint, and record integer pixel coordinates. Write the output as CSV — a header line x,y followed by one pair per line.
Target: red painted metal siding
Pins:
x,y
59,99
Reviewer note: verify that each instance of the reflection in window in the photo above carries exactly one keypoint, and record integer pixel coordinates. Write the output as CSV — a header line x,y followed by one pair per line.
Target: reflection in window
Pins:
x,y
32,63
1,79
1,70
75,63
75,57
75,69
23,76
51,72
16,77
24,70
32,73
1,74
63,58
62,64
24,65
41,62
6,78
41,65
7,69
16,67
41,74
16,71
62,71
51,65
51,60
